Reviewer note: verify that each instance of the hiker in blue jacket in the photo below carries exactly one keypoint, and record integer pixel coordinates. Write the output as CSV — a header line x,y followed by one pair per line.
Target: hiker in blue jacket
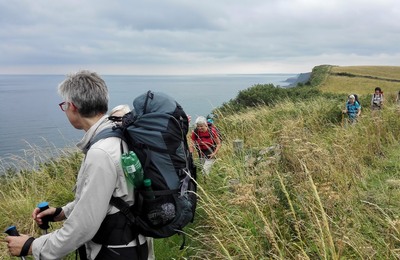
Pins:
x,y
353,109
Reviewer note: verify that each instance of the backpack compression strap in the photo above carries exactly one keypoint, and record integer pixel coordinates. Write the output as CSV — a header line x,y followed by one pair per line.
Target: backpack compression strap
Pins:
x,y
123,207
149,95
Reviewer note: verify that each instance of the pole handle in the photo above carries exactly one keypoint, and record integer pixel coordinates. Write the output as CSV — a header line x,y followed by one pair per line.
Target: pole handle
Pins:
x,y
43,206
12,231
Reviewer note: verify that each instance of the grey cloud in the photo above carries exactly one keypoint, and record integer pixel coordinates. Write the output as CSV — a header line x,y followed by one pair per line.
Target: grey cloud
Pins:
x,y
182,33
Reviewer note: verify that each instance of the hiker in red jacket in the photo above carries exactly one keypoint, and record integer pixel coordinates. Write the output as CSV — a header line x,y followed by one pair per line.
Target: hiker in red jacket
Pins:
x,y
206,141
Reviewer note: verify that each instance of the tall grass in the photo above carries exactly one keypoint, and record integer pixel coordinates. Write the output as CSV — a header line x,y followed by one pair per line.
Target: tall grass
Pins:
x,y
322,192
50,177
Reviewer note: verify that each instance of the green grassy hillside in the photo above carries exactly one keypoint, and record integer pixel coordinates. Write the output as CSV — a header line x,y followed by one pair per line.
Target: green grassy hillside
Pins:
x,y
362,80
303,187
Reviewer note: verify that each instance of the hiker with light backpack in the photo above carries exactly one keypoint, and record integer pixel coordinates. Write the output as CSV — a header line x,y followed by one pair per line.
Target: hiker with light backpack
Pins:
x,y
207,142
352,109
100,177
377,99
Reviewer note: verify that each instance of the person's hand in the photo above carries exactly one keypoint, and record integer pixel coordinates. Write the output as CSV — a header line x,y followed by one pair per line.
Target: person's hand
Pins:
x,y
38,216
15,244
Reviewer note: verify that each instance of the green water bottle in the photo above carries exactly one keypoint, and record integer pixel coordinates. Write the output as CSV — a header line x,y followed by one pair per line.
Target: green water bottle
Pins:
x,y
149,194
132,168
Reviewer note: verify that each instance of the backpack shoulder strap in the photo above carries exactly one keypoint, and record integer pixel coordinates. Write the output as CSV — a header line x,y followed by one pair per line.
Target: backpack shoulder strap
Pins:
x,y
196,132
348,106
108,132
211,133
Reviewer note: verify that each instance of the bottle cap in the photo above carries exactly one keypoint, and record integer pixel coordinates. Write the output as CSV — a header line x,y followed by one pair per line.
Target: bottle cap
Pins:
x,y
147,182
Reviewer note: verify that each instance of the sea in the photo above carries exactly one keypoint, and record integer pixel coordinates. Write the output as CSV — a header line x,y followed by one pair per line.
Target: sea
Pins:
x,y
31,117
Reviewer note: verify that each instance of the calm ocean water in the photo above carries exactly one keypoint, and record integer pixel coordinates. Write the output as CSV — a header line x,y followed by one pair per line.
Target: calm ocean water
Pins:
x,y
31,117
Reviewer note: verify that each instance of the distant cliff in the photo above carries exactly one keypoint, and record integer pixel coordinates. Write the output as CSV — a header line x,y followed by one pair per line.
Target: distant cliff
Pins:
x,y
301,78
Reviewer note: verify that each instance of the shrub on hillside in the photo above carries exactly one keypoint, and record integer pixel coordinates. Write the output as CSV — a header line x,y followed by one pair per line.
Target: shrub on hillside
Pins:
x,y
269,95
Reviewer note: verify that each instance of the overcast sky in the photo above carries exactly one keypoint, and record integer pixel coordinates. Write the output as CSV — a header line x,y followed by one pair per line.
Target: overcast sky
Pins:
x,y
196,37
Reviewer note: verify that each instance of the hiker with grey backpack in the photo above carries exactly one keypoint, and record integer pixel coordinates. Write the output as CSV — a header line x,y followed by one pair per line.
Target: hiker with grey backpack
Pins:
x,y
100,177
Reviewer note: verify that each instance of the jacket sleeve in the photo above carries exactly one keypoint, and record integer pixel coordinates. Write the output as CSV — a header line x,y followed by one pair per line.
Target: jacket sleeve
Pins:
x,y
68,208
95,186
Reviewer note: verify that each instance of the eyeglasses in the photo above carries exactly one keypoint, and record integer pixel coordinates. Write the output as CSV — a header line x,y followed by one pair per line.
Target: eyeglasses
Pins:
x,y
64,105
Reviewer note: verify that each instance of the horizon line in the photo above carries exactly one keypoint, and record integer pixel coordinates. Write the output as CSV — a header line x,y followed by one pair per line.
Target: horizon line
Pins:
x,y
112,74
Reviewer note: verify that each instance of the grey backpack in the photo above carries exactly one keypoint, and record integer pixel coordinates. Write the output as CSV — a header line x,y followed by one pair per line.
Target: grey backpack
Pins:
x,y
156,130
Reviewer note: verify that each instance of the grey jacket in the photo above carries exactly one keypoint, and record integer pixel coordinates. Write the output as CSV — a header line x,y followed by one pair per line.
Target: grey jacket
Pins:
x,y
99,177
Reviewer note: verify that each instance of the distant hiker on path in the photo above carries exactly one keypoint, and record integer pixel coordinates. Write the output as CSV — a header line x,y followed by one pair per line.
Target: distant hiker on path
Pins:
x,y
85,104
118,112
206,142
377,99
353,109
398,98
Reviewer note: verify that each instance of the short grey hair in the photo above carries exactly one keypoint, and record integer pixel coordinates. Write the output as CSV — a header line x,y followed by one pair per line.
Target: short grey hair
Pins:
x,y
124,108
87,90
201,120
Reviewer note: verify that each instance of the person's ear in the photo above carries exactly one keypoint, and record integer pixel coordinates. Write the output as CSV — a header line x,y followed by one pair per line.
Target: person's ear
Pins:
x,y
75,108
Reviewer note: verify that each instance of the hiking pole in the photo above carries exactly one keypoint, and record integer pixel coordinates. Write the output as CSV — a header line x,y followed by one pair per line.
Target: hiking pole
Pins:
x,y
45,225
12,231
342,119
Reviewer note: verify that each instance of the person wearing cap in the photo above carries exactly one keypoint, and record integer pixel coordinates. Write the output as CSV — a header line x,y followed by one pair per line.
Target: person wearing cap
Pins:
x,y
353,109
